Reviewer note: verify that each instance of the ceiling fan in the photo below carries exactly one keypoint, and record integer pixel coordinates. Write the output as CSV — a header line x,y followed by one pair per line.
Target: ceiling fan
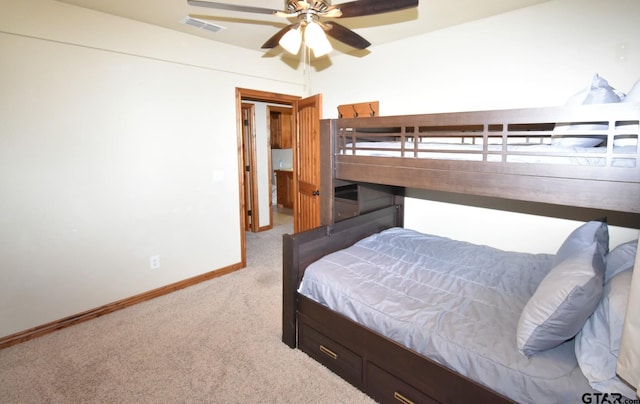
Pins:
x,y
308,24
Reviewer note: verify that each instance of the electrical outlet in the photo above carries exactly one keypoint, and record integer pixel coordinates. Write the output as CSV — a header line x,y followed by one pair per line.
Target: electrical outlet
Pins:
x,y
154,261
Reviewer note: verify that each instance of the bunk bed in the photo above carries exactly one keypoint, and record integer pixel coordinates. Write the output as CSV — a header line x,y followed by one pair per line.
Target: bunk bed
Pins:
x,y
585,156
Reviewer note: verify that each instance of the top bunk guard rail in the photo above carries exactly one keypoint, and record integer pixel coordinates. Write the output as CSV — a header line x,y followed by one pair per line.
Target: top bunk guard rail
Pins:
x,y
514,154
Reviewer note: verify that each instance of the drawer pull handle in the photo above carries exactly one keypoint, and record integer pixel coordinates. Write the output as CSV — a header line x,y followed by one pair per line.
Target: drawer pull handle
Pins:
x,y
328,352
402,398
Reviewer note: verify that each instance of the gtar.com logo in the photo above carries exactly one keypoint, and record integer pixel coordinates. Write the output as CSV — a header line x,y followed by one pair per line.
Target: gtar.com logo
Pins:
x,y
602,398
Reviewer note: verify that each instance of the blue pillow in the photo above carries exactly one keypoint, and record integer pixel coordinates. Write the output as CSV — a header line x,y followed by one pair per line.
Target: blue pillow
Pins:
x,y
584,235
620,259
568,294
598,343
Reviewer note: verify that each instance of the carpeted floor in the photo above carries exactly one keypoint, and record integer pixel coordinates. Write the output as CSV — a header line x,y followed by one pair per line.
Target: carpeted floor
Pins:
x,y
215,342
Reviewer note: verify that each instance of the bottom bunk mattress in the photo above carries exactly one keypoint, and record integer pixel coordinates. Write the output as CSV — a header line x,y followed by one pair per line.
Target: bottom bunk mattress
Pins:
x,y
455,302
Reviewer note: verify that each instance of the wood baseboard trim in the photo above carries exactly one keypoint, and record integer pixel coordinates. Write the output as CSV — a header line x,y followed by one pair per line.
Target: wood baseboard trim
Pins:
x,y
41,330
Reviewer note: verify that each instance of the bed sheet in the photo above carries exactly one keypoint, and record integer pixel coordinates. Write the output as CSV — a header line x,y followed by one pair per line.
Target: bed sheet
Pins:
x,y
455,302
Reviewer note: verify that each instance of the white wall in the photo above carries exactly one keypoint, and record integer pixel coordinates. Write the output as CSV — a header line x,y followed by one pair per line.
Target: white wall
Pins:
x,y
537,56
118,142
118,139
281,155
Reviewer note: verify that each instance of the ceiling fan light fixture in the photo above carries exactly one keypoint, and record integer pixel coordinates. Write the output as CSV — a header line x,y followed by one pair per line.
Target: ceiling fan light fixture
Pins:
x,y
309,28
292,40
316,39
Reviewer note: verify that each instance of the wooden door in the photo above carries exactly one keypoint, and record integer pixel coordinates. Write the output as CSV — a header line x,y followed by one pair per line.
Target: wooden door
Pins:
x,y
306,149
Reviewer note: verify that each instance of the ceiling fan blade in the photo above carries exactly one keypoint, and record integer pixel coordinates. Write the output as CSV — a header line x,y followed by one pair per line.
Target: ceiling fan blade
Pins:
x,y
345,35
275,40
360,8
232,7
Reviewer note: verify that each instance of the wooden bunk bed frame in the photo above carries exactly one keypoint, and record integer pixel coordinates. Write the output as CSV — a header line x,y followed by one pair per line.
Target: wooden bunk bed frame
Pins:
x,y
380,367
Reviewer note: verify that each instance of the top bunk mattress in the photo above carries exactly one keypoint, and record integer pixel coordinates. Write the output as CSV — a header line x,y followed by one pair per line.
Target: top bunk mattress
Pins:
x,y
455,302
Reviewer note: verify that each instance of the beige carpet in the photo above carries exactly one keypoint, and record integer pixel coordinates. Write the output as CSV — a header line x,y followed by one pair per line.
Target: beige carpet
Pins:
x,y
216,342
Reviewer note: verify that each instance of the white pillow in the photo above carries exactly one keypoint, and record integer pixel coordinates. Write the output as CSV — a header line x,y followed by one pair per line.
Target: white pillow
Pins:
x,y
569,141
626,140
568,294
564,134
601,92
629,140
578,98
634,94
598,343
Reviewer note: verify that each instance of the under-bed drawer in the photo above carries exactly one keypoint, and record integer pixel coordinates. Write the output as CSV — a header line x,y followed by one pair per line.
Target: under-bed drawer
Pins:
x,y
386,388
339,359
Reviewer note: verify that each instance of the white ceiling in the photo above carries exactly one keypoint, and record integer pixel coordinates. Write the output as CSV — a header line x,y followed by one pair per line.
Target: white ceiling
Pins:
x,y
250,31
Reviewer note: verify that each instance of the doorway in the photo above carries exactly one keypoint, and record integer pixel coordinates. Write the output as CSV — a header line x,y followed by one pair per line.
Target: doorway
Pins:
x,y
255,169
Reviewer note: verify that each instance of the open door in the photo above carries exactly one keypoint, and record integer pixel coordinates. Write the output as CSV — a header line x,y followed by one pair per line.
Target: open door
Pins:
x,y
306,158
306,164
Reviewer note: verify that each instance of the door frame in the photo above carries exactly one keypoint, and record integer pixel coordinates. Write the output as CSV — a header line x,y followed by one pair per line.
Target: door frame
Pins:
x,y
247,95
249,157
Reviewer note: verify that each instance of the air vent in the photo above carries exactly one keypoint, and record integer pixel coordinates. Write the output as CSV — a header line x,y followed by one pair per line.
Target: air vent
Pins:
x,y
206,25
